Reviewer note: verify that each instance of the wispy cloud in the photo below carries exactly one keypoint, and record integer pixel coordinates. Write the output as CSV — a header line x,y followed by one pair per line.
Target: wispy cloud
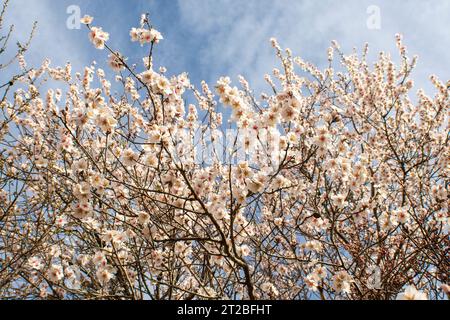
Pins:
x,y
53,39
230,37
236,33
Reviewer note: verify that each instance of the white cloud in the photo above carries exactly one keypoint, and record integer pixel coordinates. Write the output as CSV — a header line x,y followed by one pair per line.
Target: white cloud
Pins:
x,y
230,37
53,39
236,33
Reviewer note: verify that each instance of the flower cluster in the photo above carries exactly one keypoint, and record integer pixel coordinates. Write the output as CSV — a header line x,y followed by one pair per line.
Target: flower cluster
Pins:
x,y
98,37
145,35
130,186
411,293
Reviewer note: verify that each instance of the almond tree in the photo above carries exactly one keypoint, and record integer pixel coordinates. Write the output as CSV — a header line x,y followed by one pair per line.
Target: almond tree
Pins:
x,y
11,257
136,186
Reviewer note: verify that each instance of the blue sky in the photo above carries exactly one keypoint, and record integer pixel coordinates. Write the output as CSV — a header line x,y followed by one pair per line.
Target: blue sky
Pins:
x,y
209,38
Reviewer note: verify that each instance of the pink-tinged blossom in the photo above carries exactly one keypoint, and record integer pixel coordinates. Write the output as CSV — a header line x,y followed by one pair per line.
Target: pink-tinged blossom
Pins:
x,y
411,293
131,181
55,273
98,37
